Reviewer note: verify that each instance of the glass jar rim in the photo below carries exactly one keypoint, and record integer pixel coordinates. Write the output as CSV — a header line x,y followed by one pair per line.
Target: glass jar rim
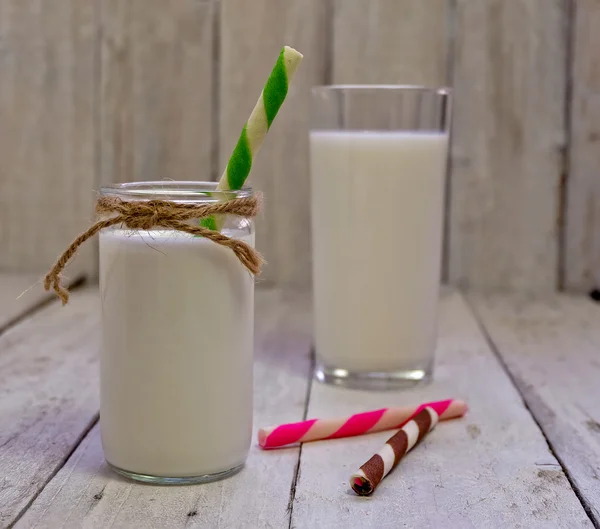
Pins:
x,y
439,90
173,190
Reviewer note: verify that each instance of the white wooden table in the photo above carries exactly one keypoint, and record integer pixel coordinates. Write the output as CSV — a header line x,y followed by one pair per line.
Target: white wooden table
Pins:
x,y
527,454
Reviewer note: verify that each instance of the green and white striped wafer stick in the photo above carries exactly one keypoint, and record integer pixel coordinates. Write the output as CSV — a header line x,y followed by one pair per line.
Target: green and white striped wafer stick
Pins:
x,y
257,126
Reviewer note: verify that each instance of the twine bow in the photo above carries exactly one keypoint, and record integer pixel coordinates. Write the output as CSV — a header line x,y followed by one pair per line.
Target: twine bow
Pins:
x,y
163,214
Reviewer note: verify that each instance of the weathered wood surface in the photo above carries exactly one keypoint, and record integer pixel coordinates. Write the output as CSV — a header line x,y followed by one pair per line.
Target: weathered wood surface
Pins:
x,y
252,34
48,396
551,347
582,235
47,120
156,104
19,293
509,84
86,494
492,468
389,42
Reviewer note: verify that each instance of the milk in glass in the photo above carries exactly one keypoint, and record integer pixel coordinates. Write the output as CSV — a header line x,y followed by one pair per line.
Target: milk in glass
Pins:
x,y
377,207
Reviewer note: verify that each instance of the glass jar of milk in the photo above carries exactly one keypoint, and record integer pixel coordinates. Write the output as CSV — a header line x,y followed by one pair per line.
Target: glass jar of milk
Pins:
x,y
176,363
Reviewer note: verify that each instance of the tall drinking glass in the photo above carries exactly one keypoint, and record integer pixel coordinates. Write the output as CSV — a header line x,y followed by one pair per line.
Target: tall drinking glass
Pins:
x,y
378,164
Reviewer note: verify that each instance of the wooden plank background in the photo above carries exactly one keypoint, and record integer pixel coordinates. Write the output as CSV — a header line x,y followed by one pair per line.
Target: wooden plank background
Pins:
x,y
94,91
508,146
156,106
582,237
47,129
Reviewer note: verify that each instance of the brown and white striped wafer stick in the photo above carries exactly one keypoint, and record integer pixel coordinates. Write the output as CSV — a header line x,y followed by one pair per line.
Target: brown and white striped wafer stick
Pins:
x,y
365,481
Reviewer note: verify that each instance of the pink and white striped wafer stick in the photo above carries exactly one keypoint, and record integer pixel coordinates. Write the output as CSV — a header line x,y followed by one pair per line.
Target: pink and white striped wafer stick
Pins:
x,y
358,424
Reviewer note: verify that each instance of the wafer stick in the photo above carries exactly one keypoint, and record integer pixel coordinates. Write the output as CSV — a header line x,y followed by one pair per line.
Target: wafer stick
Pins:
x,y
357,424
365,481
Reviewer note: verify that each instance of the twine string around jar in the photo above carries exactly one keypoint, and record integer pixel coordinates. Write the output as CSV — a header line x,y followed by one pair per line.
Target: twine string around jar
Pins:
x,y
139,215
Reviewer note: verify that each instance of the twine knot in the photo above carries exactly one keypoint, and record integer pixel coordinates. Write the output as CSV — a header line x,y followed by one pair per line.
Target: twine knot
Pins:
x,y
137,216
140,215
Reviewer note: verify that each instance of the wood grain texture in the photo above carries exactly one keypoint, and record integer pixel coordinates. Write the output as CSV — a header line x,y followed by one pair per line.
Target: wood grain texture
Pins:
x,y
582,235
492,468
156,107
252,35
86,494
20,293
551,347
508,141
48,389
389,41
47,100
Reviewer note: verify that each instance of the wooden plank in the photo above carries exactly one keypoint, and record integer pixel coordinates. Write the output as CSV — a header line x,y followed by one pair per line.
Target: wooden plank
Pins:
x,y
49,383
157,90
86,494
490,469
509,136
252,34
582,237
389,41
552,349
47,139
19,293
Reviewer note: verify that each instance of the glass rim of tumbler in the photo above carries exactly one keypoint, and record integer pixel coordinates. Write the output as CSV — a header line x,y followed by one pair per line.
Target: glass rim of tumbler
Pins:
x,y
437,90
381,107
174,190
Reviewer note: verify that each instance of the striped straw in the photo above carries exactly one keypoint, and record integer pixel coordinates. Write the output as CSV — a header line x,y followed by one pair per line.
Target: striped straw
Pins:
x,y
257,126
365,481
357,424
